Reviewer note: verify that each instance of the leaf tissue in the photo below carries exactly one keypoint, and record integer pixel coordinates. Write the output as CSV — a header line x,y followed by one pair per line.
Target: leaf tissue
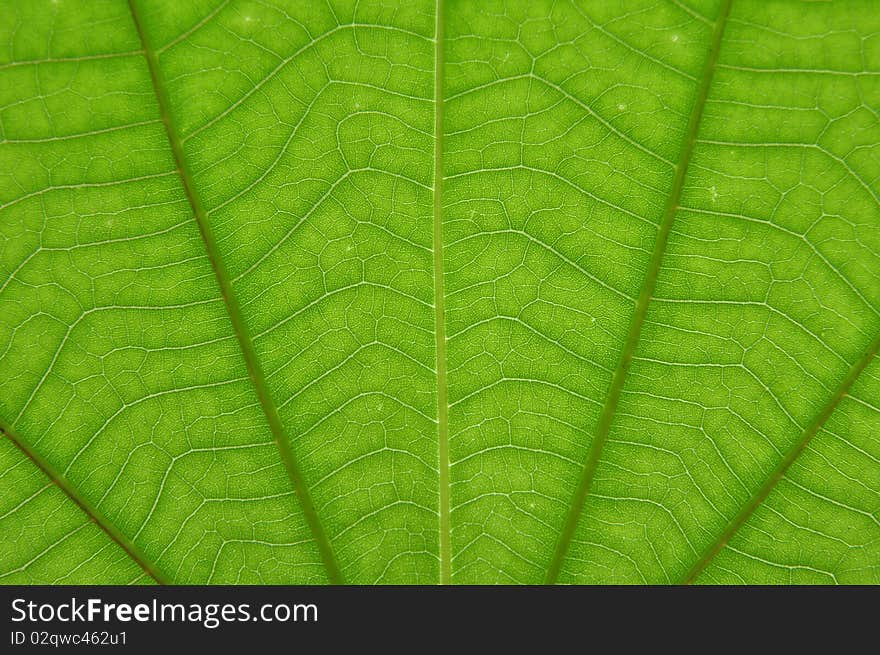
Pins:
x,y
439,291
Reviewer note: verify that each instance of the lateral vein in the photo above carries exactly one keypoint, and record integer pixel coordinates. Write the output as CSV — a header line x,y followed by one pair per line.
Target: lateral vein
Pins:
x,y
94,514
606,417
439,309
784,464
242,333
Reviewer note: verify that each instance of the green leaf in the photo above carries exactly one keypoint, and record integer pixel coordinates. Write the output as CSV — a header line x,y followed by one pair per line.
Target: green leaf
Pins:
x,y
472,292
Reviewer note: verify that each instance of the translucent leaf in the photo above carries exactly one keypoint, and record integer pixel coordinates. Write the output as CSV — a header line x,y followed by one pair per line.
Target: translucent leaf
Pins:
x,y
415,292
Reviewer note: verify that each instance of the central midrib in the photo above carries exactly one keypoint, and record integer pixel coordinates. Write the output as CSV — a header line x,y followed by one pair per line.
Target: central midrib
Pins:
x,y
233,308
609,407
444,527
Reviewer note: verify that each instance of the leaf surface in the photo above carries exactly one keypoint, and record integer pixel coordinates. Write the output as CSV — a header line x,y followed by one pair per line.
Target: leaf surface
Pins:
x,y
417,292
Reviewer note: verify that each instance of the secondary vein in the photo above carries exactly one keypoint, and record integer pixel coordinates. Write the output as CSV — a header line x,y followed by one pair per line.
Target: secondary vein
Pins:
x,y
439,309
784,464
242,333
92,511
606,417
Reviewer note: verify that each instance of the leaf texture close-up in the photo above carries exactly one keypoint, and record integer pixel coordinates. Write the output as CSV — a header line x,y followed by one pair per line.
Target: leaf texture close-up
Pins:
x,y
439,291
